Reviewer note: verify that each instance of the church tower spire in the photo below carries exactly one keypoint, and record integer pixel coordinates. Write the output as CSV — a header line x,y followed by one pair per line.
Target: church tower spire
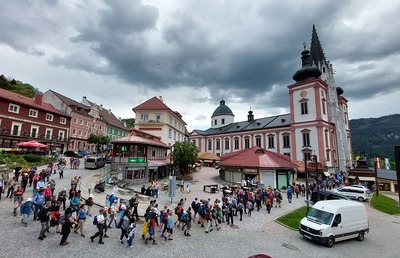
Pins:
x,y
316,50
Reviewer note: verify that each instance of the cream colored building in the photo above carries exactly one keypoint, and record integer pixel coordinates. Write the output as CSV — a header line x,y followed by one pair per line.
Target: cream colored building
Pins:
x,y
155,117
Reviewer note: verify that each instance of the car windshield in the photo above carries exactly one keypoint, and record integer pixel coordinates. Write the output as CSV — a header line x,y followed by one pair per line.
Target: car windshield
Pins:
x,y
319,216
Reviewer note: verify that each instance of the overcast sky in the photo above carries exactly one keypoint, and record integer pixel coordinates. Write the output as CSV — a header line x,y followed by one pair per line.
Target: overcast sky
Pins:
x,y
120,53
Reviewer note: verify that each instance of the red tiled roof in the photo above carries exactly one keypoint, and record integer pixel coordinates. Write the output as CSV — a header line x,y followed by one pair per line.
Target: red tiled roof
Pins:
x,y
139,140
23,100
258,158
152,104
156,104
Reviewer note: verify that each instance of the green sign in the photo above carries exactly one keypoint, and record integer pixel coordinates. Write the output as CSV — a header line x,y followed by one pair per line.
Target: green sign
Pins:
x,y
124,148
137,160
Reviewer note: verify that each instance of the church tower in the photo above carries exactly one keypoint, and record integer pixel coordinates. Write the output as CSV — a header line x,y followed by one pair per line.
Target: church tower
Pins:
x,y
312,132
337,105
222,116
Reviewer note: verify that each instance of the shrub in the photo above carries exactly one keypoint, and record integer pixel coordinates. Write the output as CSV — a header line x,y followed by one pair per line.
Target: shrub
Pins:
x,y
32,158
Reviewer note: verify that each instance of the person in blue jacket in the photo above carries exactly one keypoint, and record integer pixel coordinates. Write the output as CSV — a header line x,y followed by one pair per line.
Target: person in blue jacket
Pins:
x,y
25,210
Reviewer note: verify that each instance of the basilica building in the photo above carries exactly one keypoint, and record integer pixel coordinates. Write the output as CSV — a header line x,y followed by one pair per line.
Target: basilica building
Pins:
x,y
316,129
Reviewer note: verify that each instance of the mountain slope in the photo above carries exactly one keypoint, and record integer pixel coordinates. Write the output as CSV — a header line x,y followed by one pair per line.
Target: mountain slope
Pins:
x,y
376,136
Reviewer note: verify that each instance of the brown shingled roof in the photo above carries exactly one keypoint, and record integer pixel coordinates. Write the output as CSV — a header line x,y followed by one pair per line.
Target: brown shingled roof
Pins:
x,y
23,100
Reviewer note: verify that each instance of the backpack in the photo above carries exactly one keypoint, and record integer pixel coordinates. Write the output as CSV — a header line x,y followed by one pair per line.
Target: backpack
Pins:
x,y
178,210
185,216
62,219
109,210
95,220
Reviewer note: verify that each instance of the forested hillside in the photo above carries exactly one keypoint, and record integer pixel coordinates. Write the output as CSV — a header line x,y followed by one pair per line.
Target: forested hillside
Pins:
x,y
376,136
18,87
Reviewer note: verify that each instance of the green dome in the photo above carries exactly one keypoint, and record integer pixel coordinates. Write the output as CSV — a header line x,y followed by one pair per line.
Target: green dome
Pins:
x,y
222,110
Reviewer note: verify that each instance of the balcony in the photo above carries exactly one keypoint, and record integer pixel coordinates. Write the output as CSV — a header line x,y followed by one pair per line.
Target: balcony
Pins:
x,y
150,121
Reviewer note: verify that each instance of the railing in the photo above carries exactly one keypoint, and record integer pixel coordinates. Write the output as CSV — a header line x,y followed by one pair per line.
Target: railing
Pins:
x,y
25,135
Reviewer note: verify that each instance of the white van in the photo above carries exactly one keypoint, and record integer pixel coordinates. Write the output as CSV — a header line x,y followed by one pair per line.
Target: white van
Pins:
x,y
94,162
331,221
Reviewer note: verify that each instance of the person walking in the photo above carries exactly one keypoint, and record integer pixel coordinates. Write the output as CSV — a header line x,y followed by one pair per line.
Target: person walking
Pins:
x,y
44,220
25,210
112,213
99,222
124,226
189,187
289,193
80,218
66,226
170,226
131,234
18,198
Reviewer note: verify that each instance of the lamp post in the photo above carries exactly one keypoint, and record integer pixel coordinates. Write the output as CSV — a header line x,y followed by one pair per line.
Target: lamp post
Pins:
x,y
306,171
376,161
316,173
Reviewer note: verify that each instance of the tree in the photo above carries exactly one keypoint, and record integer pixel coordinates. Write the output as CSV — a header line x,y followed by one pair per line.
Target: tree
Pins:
x,y
184,155
98,140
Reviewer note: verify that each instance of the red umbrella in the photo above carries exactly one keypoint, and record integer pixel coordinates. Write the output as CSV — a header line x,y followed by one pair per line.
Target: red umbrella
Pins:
x,y
32,144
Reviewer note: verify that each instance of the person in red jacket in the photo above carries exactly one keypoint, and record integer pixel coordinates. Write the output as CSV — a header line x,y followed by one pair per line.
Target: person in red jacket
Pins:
x,y
47,192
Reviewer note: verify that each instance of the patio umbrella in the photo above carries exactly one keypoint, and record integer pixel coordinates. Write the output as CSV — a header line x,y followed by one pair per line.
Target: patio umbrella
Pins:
x,y
32,144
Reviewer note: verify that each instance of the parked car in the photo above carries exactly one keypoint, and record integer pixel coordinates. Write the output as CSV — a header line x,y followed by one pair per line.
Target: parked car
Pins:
x,y
326,195
95,162
362,187
331,221
358,193
70,153
84,153
109,160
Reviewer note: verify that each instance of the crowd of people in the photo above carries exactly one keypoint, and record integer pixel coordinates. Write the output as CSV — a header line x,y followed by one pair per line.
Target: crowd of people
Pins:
x,y
68,211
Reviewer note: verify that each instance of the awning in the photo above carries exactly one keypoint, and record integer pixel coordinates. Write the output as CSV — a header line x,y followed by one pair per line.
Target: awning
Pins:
x,y
363,178
159,162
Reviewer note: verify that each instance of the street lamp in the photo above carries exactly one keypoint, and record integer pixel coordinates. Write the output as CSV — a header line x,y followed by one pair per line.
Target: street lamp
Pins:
x,y
316,174
306,172
170,161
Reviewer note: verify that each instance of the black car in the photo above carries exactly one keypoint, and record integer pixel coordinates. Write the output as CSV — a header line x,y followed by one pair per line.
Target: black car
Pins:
x,y
72,154
326,195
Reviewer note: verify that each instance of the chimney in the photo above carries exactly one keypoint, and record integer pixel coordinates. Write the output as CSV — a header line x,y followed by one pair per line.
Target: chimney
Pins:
x,y
160,97
109,111
39,99
101,107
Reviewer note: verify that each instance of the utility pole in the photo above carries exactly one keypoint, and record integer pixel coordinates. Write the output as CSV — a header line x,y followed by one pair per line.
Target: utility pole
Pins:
x,y
397,160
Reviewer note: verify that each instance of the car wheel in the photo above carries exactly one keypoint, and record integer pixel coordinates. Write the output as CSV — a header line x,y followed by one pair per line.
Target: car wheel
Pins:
x,y
360,199
360,236
330,242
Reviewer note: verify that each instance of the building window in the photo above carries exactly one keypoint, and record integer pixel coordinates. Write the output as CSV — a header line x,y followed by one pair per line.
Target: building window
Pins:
x,y
80,133
326,138
246,142
75,120
175,123
271,141
215,122
13,108
49,117
170,120
209,145
73,131
169,133
306,139
323,106
63,120
49,133
61,135
16,129
223,121
226,143
144,118
174,135
81,122
34,132
304,108
33,113
258,141
218,144
236,143
286,141
158,118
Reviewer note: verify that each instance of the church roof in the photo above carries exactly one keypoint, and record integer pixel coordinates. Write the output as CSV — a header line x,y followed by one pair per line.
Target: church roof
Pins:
x,y
222,109
260,123
152,104
316,50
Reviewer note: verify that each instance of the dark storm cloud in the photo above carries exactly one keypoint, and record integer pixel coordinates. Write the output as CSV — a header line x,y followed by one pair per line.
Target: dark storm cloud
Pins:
x,y
245,51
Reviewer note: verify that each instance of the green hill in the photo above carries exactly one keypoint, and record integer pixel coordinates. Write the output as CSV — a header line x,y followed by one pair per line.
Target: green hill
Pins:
x,y
376,136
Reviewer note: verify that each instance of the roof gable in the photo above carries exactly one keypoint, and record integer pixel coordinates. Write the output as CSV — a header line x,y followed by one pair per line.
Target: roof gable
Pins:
x,y
152,104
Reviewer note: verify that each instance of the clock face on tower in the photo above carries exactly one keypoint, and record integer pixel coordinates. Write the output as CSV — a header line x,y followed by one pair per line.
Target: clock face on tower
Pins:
x,y
303,93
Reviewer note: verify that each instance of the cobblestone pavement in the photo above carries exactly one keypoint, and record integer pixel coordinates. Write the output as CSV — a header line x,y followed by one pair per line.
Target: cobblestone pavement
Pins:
x,y
256,234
